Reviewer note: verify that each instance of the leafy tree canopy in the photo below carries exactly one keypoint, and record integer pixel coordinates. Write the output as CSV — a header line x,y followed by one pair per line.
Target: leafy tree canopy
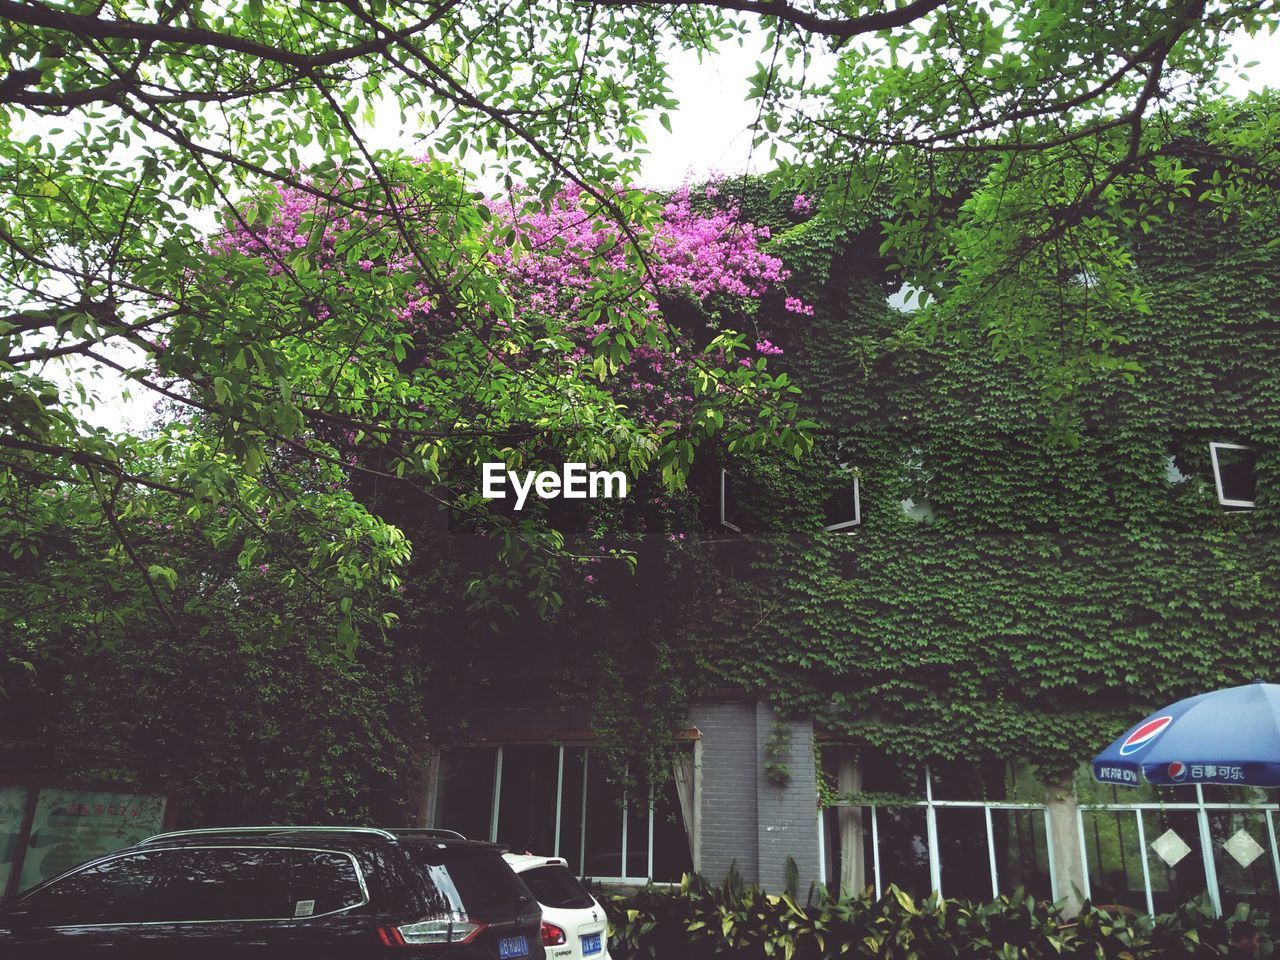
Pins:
x,y
1012,142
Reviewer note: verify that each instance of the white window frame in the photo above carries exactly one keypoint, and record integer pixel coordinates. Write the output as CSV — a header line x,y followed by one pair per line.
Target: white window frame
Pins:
x,y
496,801
724,522
857,505
1202,811
931,807
1217,474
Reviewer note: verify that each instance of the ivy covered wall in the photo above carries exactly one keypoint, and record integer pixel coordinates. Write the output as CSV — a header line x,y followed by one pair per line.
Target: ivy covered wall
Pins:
x,y
1066,580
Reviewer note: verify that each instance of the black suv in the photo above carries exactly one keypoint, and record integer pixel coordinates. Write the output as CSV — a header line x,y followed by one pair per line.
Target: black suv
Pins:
x,y
320,893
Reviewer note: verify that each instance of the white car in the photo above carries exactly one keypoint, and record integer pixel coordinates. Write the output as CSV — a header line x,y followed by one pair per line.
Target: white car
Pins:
x,y
574,926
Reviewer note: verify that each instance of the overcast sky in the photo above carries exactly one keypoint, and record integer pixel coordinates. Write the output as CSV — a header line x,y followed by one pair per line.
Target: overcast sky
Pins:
x,y
708,135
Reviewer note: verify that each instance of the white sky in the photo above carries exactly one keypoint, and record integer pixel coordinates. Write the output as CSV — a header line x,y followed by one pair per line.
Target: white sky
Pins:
x,y
709,135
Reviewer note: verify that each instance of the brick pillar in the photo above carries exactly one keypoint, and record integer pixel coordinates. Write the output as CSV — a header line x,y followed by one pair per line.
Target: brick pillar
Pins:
x,y
726,796
788,813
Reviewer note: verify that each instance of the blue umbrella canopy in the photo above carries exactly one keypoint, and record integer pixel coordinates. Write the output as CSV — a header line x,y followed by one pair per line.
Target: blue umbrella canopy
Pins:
x,y
1229,736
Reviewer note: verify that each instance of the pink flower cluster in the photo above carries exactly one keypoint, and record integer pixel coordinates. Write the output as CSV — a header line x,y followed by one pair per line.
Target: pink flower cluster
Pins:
x,y
690,253
701,254
801,204
697,250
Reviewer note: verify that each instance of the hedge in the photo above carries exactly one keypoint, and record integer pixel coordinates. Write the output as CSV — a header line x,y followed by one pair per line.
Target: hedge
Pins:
x,y
735,921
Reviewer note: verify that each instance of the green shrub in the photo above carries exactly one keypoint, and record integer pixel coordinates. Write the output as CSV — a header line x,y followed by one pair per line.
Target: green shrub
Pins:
x,y
737,921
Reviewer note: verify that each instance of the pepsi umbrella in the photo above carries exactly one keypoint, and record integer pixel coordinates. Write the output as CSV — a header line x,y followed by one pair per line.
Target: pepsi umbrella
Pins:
x,y
1230,736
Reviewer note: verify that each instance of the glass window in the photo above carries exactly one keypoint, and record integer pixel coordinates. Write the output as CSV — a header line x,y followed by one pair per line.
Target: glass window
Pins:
x,y
554,886
970,780
1174,857
467,791
1242,857
324,881
1114,858
1234,473
603,849
225,883
959,804
1022,852
882,774
860,872
120,890
475,883
904,849
672,858
637,811
537,781
572,810
963,854
842,509
527,806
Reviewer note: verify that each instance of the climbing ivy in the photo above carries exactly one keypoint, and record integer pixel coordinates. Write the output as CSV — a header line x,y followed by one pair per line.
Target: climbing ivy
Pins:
x,y
1047,587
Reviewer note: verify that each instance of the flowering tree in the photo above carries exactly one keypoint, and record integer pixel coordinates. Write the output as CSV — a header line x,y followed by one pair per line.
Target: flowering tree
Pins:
x,y
118,122
493,330
551,313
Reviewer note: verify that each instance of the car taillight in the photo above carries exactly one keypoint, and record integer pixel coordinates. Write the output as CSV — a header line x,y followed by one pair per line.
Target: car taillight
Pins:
x,y
390,937
430,931
552,936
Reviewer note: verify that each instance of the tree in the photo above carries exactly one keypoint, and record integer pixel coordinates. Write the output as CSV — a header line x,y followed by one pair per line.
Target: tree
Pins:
x,y
1013,148
1014,139
233,704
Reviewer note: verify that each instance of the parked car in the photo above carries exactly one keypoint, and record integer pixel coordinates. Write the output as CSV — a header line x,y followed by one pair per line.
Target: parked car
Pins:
x,y
574,926
323,893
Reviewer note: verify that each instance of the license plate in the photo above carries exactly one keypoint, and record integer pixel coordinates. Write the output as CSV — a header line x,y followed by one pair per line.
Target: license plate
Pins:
x,y
590,944
509,947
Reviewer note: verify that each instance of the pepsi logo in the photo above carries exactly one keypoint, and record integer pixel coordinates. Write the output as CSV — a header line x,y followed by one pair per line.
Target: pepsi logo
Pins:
x,y
1177,771
1144,735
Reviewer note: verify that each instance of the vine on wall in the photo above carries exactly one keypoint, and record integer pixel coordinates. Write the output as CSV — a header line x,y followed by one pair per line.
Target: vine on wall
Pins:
x,y
1057,589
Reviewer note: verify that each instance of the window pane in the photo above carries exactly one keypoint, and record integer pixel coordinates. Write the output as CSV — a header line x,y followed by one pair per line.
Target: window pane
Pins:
x,y
904,849
969,780
604,821
1022,852
962,850
881,774
1222,793
121,890
475,883
466,791
225,884
1242,856
638,836
1172,886
671,857
327,880
571,809
527,809
555,886
857,820
831,852
1114,858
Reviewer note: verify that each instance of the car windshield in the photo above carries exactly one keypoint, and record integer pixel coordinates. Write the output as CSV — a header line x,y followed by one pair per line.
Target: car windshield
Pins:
x,y
477,884
555,886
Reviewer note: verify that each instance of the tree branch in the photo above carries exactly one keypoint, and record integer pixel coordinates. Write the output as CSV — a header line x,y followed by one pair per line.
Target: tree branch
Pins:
x,y
805,19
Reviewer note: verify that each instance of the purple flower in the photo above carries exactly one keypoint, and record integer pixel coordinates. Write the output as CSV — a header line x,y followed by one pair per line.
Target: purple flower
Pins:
x,y
796,305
